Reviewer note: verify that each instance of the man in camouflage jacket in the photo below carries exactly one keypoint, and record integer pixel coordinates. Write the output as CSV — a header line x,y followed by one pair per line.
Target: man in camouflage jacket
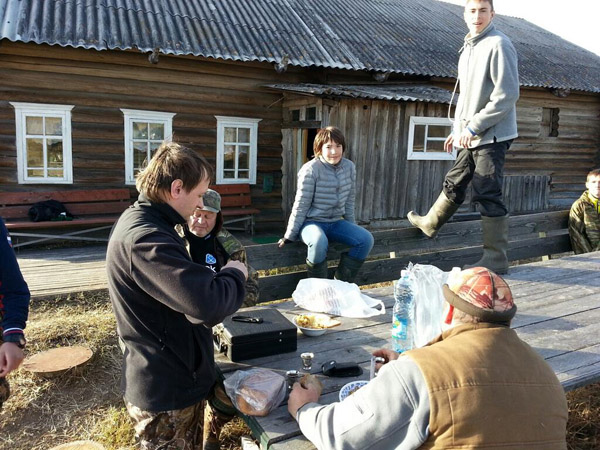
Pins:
x,y
212,245
584,217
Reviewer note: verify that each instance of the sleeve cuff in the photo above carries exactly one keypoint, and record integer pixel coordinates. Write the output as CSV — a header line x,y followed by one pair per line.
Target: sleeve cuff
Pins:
x,y
471,131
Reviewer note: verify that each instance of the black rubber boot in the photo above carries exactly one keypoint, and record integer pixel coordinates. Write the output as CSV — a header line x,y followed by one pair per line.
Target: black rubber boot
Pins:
x,y
438,215
495,244
348,268
318,270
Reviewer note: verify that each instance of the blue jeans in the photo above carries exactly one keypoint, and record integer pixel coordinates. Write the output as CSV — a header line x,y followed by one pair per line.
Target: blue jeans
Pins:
x,y
316,235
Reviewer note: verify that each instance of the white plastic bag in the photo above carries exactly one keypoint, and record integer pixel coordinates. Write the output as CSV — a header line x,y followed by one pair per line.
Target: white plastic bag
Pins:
x,y
335,297
256,392
426,282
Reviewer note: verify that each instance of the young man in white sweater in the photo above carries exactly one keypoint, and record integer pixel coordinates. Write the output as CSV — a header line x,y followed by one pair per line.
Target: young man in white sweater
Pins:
x,y
484,127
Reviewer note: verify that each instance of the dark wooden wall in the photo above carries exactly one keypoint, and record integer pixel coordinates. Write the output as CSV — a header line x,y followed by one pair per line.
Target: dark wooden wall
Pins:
x,y
100,83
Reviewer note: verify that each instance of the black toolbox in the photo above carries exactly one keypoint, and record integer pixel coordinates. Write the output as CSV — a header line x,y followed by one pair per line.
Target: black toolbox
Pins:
x,y
246,340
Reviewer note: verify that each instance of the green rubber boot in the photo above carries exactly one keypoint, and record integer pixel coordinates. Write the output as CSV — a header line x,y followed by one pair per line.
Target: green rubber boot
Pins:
x,y
438,215
495,244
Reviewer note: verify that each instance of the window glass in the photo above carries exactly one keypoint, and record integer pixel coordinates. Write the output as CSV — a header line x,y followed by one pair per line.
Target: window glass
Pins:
x,y
438,131
435,146
243,161
35,153
140,130
35,125
295,115
243,135
311,113
230,134
53,126
157,131
419,141
55,153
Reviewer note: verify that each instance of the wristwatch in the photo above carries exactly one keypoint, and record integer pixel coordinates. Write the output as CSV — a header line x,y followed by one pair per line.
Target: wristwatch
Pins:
x,y
16,338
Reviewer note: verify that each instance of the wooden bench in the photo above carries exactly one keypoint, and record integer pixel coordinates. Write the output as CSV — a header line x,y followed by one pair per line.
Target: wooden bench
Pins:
x,y
94,210
458,243
236,206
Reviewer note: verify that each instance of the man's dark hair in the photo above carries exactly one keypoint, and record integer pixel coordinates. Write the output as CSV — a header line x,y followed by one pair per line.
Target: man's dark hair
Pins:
x,y
172,162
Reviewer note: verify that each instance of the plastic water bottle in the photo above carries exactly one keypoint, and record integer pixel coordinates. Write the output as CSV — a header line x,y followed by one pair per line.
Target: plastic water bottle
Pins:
x,y
403,315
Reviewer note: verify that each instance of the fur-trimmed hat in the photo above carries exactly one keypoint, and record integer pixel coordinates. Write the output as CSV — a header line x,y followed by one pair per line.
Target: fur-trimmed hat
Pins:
x,y
481,293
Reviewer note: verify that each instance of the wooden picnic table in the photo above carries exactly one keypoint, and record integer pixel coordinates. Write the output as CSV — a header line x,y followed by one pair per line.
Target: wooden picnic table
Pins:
x,y
558,315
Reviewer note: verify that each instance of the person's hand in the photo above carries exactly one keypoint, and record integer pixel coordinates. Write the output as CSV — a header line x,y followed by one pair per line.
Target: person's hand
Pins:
x,y
281,242
233,264
449,143
301,396
11,357
387,354
464,141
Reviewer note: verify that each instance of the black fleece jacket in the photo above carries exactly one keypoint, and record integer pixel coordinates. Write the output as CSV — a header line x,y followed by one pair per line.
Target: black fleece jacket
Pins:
x,y
165,306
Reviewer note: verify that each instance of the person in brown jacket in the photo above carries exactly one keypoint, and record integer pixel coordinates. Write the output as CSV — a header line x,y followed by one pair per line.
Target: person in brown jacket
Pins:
x,y
477,385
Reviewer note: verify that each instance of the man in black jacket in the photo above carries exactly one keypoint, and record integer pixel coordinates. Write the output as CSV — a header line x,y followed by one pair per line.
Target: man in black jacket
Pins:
x,y
165,304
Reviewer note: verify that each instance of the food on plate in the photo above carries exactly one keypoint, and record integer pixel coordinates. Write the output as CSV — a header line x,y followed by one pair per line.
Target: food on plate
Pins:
x,y
309,379
316,321
259,392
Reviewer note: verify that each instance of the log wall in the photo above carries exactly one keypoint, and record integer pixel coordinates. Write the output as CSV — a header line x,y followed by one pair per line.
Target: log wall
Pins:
x,y
99,84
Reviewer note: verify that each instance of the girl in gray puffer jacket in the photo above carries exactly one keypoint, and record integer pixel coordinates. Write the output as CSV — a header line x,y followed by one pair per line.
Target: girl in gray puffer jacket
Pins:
x,y
324,209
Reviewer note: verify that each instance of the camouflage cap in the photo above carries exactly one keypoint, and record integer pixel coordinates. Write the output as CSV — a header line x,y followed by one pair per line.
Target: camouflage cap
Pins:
x,y
212,201
481,293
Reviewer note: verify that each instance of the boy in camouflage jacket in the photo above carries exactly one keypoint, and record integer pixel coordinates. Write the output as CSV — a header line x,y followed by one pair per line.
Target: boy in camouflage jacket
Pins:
x,y
584,217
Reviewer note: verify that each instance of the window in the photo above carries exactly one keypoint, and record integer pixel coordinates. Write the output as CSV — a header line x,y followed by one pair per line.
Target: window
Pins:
x,y
550,119
426,137
236,149
43,143
144,132
304,113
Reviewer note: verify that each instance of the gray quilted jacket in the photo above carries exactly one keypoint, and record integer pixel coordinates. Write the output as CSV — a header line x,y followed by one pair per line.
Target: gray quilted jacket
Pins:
x,y
325,193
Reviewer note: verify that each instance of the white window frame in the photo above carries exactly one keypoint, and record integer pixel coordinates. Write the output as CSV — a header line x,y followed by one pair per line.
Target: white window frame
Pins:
x,y
136,115
237,122
435,156
22,111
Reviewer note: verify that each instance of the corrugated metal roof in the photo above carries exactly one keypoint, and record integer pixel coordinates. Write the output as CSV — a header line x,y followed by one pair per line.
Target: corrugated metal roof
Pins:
x,y
403,92
419,37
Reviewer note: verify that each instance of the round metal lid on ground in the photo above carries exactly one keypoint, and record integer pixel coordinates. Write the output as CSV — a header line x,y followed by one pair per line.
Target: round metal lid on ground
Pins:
x,y
57,360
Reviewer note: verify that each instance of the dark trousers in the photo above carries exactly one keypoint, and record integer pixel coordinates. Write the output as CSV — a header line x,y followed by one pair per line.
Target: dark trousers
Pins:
x,y
483,166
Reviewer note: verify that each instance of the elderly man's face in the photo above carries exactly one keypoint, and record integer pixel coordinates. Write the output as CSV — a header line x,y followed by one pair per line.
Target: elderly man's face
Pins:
x,y
202,222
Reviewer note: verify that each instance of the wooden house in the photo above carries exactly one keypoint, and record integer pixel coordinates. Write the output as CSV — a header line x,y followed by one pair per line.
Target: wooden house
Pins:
x,y
88,89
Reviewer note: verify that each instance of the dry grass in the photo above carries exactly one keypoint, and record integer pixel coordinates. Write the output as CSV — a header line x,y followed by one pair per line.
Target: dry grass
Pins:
x,y
46,412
